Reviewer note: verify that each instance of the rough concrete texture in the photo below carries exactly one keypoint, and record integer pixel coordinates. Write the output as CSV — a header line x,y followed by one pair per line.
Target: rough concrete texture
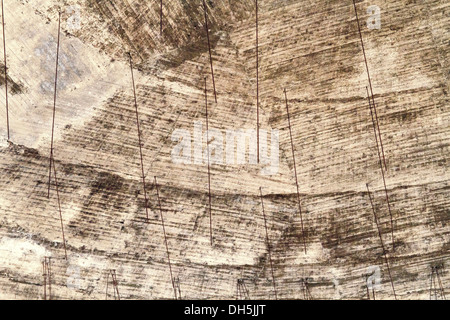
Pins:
x,y
311,48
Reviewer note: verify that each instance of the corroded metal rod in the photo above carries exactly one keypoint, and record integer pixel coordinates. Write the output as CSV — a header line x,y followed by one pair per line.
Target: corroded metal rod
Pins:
x,y
209,169
440,283
295,171
115,284
107,284
242,291
382,173
54,105
139,140
6,71
165,240
257,85
209,48
367,287
268,244
160,18
370,82
44,274
59,207
381,240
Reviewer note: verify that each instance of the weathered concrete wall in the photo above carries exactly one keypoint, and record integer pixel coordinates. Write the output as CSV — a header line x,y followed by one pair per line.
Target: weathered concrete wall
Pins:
x,y
312,49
